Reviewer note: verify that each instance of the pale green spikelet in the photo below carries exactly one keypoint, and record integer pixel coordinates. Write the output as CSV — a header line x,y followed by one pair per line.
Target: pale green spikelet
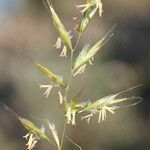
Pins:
x,y
87,54
64,34
53,77
87,16
108,103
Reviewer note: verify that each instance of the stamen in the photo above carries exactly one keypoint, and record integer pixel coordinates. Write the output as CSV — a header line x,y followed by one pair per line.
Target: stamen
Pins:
x,y
31,141
58,43
81,70
68,115
73,117
100,116
48,90
60,97
64,52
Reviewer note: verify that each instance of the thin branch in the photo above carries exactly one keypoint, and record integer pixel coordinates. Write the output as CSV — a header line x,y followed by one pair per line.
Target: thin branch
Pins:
x,y
63,134
71,62
78,39
74,143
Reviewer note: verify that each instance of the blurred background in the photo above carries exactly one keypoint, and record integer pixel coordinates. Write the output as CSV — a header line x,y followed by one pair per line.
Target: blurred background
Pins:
x,y
122,63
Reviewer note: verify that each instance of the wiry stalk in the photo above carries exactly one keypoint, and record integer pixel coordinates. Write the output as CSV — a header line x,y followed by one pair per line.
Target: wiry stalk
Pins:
x,y
63,134
68,87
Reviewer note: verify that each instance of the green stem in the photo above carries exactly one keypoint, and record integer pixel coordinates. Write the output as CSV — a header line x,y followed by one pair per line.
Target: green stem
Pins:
x,y
63,135
74,143
51,142
67,88
70,78
78,39
65,95
71,63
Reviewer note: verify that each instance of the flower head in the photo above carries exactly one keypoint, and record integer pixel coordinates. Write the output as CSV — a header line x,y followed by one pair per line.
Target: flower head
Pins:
x,y
55,79
106,104
33,139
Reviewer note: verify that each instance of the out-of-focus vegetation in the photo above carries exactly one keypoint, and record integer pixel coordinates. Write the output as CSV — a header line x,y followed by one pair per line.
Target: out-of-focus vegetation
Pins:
x,y
123,63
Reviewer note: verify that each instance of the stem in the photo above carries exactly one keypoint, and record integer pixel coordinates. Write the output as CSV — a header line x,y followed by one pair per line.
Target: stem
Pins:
x,y
63,134
74,143
71,61
78,39
65,95
51,142
67,88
